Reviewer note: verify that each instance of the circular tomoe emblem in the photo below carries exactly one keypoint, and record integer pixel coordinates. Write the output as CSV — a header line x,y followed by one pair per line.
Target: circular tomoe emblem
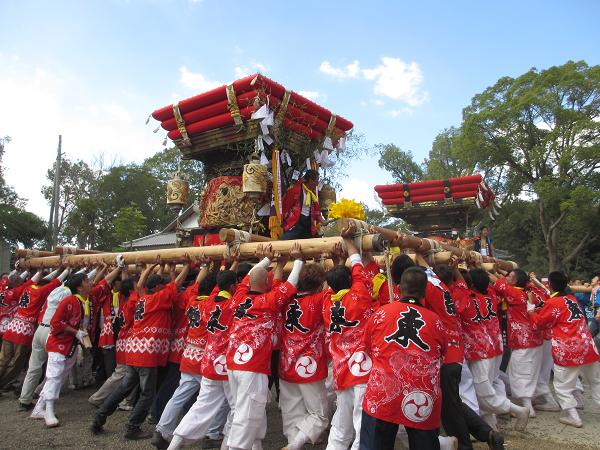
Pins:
x,y
417,406
360,364
306,366
220,365
243,354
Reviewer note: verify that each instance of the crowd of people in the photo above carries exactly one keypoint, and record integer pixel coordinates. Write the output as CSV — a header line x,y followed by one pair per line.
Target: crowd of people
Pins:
x,y
200,353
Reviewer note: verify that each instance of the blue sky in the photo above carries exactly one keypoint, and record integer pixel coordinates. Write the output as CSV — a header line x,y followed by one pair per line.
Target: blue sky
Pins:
x,y
400,71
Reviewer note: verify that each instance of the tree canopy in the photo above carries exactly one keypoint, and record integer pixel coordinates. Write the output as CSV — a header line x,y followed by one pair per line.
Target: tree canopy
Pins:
x,y
17,226
536,140
95,203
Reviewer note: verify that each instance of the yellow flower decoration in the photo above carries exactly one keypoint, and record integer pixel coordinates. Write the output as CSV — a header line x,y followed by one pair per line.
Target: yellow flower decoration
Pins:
x,y
346,208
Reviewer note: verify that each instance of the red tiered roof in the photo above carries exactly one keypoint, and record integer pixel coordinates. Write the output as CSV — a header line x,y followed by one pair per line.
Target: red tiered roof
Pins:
x,y
471,186
216,108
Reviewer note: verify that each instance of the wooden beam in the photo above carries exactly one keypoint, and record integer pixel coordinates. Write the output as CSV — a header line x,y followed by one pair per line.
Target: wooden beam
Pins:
x,y
422,245
310,247
66,250
230,235
33,253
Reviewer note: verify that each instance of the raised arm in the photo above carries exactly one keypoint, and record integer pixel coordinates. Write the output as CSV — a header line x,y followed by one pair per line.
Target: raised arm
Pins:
x,y
184,272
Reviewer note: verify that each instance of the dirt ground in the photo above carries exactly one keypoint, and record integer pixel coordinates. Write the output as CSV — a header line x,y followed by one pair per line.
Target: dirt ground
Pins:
x,y
18,432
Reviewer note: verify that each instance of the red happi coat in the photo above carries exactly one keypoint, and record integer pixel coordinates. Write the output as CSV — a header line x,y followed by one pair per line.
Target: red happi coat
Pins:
x,y
150,338
478,315
126,313
217,314
180,324
303,358
191,361
439,300
109,311
70,312
9,302
572,343
406,343
520,330
345,321
99,292
251,336
539,297
292,208
379,285
21,328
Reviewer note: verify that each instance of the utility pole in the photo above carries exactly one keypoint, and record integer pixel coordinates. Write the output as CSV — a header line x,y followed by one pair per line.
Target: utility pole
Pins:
x,y
56,195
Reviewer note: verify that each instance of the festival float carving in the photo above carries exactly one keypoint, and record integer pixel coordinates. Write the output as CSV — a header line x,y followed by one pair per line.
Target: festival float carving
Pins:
x,y
283,131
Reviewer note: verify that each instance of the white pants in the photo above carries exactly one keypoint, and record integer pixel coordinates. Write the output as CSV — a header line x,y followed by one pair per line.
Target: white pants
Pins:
x,y
249,392
57,372
542,389
466,388
345,425
303,408
565,379
524,371
36,363
331,397
490,390
195,424
189,384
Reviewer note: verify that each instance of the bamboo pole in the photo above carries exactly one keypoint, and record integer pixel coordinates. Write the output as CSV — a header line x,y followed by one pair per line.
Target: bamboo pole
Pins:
x,y
66,250
310,247
33,253
422,245
230,235
580,288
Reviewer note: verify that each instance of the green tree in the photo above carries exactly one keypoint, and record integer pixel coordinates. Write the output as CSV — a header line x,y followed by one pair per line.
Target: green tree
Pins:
x,y
129,224
17,226
445,159
399,163
78,181
164,164
540,133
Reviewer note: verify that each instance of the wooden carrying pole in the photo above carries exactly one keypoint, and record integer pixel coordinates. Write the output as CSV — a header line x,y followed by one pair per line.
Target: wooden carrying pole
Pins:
x,y
422,245
31,253
232,235
580,288
310,247
66,250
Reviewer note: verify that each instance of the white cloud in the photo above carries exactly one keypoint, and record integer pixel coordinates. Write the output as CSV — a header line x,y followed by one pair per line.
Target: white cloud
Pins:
x,y
393,79
241,71
406,111
38,105
352,70
378,102
196,81
397,80
311,95
244,71
360,191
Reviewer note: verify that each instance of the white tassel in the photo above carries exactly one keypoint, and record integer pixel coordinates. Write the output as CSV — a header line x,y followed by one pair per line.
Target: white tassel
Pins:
x,y
148,119
156,129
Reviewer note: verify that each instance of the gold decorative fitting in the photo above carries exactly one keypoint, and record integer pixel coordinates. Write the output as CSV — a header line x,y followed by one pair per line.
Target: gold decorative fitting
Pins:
x,y
185,139
232,105
446,189
254,179
283,107
331,125
406,193
178,191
